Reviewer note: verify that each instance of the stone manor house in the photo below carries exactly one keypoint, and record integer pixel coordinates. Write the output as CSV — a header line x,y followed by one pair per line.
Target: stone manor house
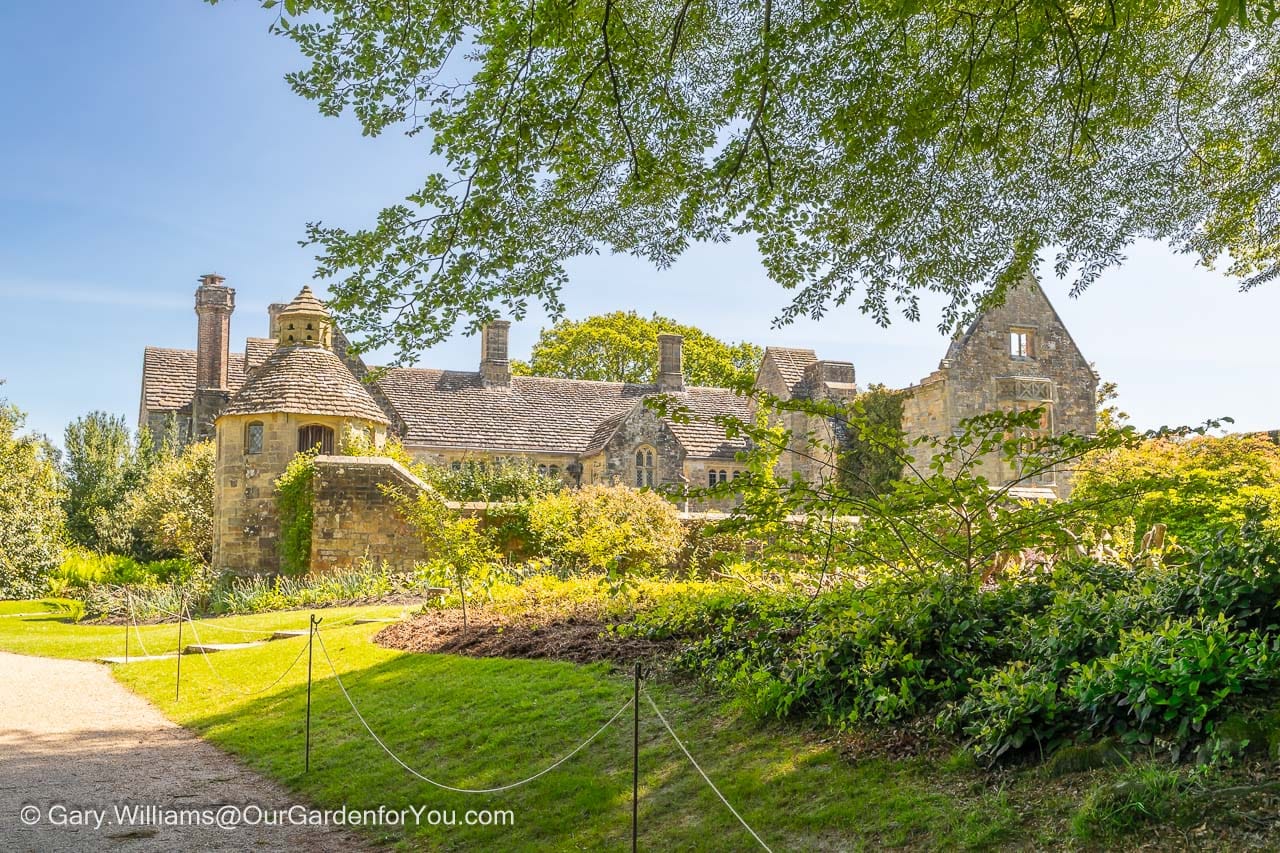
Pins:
x,y
300,387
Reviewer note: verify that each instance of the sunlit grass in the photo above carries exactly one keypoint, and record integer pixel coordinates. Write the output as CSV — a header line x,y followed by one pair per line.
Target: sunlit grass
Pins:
x,y
487,722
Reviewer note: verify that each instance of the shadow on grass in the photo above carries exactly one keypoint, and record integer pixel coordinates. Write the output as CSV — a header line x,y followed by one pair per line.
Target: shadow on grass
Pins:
x,y
479,723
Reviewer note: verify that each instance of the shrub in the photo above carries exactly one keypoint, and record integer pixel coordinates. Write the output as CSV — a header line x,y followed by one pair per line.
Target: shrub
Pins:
x,y
170,514
1147,651
32,533
606,528
1198,486
477,480
81,567
1173,677
1013,706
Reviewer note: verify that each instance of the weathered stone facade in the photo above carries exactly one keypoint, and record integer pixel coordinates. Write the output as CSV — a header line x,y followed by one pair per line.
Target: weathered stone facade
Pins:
x,y
1017,356
303,387
354,519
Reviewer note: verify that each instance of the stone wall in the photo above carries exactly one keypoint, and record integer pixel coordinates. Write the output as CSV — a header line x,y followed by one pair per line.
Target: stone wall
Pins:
x,y
246,529
980,374
354,519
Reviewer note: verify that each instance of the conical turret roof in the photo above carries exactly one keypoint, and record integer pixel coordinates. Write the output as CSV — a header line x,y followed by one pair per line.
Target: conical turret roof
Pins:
x,y
305,380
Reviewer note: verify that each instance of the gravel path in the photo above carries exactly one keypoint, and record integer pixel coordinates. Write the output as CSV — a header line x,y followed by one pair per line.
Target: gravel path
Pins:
x,y
73,737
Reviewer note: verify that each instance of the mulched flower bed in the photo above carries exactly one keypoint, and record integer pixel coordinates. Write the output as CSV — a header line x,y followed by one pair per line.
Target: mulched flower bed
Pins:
x,y
491,635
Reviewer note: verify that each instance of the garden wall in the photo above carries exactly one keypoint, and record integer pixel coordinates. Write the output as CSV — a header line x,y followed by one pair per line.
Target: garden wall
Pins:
x,y
354,519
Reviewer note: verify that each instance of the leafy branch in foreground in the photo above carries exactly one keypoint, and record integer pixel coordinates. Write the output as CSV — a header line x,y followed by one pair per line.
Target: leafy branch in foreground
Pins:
x,y
945,513
876,151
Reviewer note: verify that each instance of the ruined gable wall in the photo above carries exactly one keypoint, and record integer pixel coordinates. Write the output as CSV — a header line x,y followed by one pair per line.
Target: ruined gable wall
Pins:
x,y
354,519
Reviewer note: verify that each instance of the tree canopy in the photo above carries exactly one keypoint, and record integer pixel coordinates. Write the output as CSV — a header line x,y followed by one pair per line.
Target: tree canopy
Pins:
x,y
31,521
877,150
623,347
101,465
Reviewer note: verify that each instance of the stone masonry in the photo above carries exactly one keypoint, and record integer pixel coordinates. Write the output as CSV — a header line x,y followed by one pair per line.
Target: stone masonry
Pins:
x,y
353,518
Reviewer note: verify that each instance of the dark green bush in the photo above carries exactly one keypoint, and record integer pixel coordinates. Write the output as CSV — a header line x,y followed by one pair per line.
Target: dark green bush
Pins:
x,y
1148,651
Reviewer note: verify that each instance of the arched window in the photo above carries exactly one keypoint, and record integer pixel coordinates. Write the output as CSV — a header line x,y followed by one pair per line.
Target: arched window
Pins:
x,y
253,438
724,476
542,470
316,435
711,478
645,469
553,471
455,465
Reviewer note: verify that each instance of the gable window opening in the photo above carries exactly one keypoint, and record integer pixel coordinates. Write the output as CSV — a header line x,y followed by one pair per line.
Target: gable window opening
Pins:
x,y
644,468
253,438
316,436
1021,344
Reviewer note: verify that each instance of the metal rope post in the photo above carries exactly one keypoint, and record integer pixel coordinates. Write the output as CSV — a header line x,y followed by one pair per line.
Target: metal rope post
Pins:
x,y
177,681
311,639
635,763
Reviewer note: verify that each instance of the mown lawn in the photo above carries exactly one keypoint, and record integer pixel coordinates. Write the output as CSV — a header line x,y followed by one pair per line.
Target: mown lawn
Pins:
x,y
486,722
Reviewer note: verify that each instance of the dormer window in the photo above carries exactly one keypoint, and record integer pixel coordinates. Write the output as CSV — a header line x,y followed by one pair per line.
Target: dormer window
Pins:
x,y
1022,344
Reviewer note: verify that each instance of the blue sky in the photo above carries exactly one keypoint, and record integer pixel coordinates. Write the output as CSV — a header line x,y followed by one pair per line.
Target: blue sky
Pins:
x,y
145,142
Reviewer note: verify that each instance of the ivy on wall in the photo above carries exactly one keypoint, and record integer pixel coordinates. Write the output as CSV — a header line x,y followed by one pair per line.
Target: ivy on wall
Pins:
x,y
871,457
294,504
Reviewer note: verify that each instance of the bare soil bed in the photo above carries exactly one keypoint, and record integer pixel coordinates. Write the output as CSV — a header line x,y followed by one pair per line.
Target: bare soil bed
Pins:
x,y
489,635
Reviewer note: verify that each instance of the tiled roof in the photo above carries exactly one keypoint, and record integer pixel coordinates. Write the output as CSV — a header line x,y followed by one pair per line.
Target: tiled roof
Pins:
x,y
702,436
169,375
305,301
791,363
307,380
451,408
447,408
256,351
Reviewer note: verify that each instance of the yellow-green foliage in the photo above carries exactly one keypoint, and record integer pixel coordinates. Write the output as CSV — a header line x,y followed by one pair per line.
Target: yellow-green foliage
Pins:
x,y
81,567
602,528
172,510
1196,486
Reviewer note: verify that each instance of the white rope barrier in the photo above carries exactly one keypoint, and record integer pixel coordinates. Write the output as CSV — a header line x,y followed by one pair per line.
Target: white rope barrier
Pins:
x,y
137,632
441,785
702,773
236,687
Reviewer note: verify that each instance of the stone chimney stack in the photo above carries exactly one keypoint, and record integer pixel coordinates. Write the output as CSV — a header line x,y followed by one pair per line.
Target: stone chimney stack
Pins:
x,y
214,304
273,315
670,363
495,365
831,380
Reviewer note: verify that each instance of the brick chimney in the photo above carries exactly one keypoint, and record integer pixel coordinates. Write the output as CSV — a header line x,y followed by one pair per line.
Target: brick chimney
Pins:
x,y
214,304
670,363
495,366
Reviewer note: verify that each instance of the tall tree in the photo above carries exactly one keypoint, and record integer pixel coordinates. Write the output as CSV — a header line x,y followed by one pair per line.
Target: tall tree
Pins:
x,y
877,150
623,347
31,521
101,464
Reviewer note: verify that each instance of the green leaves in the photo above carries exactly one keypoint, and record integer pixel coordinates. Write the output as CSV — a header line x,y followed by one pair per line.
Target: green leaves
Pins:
x,y
875,152
623,347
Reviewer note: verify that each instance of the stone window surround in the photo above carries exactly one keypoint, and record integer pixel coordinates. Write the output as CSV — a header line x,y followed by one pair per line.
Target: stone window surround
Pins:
x,y
253,434
1023,343
646,469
